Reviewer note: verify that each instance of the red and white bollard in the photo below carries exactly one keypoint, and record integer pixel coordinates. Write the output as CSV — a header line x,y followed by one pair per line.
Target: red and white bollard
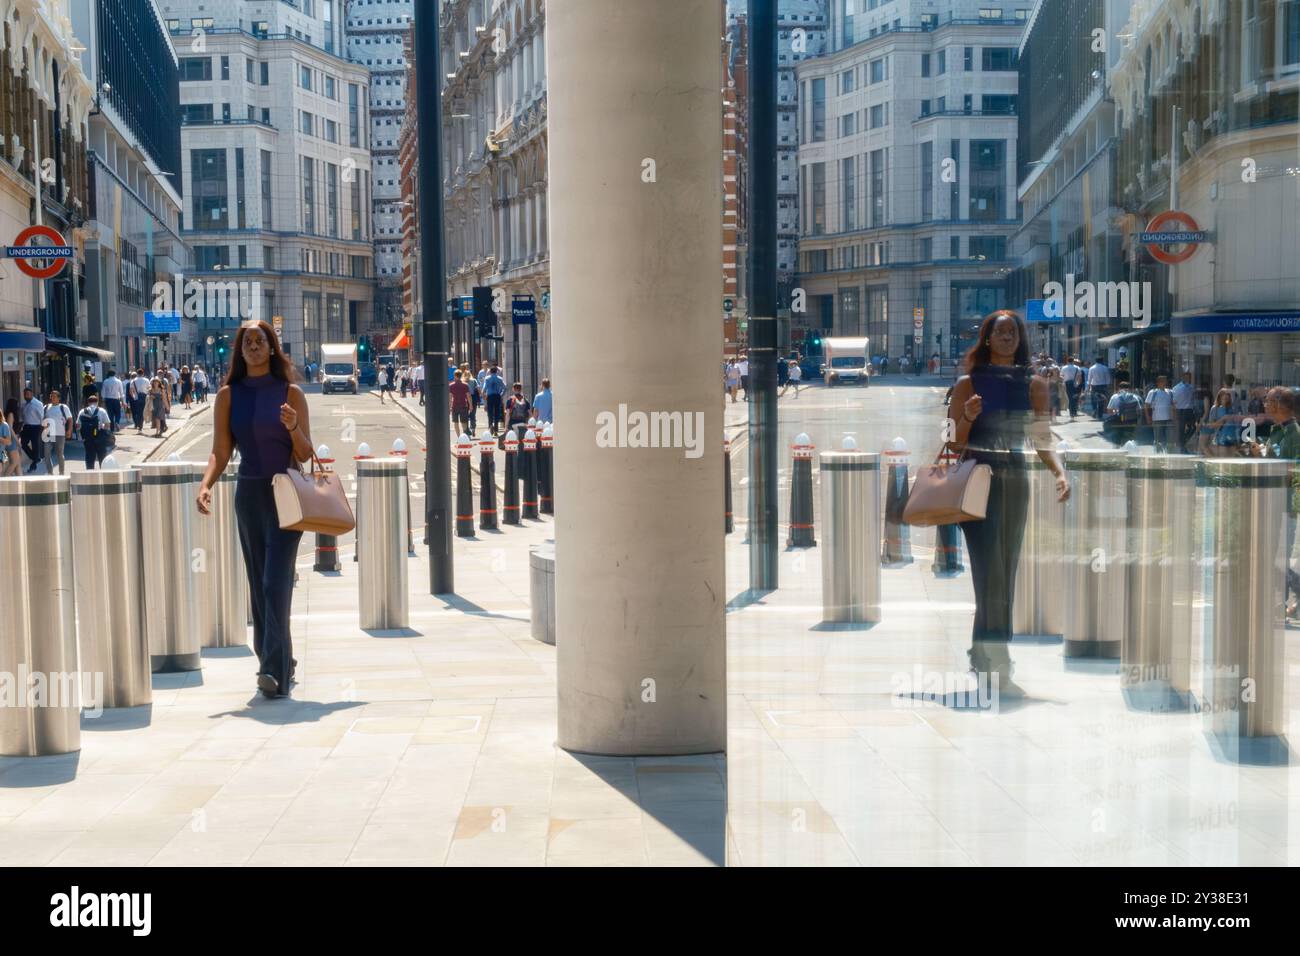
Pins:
x,y
546,470
327,545
510,506
487,481
464,488
801,494
528,465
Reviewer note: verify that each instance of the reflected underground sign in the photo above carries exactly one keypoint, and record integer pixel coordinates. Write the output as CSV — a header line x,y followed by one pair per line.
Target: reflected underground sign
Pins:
x,y
55,253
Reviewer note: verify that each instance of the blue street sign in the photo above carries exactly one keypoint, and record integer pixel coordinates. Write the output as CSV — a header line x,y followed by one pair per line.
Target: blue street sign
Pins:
x,y
466,305
523,311
1034,312
162,323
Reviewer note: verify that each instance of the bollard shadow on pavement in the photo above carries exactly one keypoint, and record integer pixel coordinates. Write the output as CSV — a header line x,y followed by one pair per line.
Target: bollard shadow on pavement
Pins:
x,y
119,718
747,598
239,650
20,772
844,626
1044,639
1090,665
454,602
392,632
175,680
1239,751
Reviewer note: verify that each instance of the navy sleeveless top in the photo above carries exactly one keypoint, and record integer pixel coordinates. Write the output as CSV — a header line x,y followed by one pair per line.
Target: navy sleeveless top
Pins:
x,y
1003,424
265,446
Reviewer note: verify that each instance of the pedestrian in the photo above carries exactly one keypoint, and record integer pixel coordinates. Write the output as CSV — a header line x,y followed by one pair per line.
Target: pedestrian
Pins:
x,y
1070,379
138,394
94,428
1223,426
732,378
112,391
88,385
157,409
1280,405
1098,384
11,461
475,397
451,370
261,412
174,378
56,419
795,376
483,373
518,409
742,367
782,375
494,390
1123,412
385,383
401,381
884,365
32,414
417,378
999,407
187,385
1160,414
543,405
200,384
460,404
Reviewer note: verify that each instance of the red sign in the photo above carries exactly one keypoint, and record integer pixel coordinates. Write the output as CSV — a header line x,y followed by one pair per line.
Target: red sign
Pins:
x,y
26,254
1188,236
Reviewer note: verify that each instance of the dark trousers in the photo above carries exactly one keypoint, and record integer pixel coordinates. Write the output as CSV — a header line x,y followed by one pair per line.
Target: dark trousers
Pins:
x,y
1186,426
114,408
96,451
994,548
269,556
30,440
495,411
137,412
1100,395
1072,393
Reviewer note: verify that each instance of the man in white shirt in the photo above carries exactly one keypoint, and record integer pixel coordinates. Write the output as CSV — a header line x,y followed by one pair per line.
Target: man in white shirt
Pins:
x,y
743,365
417,380
1160,413
201,383
138,395
1098,386
174,377
112,391
1185,409
1070,378
56,419
31,415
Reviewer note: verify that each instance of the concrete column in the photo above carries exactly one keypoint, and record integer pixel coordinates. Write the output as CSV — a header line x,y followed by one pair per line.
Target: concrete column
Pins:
x,y
636,277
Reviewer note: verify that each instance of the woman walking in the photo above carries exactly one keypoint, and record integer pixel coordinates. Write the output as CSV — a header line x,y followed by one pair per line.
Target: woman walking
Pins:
x,y
156,407
55,424
998,408
10,442
260,411
187,384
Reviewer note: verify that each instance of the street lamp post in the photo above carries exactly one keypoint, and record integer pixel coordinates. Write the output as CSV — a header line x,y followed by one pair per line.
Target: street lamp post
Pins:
x,y
437,427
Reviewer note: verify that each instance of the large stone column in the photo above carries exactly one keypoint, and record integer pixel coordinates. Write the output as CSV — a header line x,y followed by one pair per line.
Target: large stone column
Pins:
x,y
635,167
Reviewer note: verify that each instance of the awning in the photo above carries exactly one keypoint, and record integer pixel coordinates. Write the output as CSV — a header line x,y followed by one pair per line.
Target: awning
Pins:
x,y
403,341
76,348
1119,338
11,340
1230,323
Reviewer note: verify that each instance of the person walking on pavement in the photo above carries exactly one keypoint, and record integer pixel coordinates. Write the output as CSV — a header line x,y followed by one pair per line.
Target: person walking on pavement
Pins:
x,y
263,413
187,385
1281,405
417,377
10,442
385,383
494,390
138,394
94,428
112,392
475,396
518,409
32,414
793,377
483,373
999,407
174,378
1123,413
1070,375
742,367
55,422
732,378
1184,394
1099,380
543,406
200,384
460,404
1160,414
157,407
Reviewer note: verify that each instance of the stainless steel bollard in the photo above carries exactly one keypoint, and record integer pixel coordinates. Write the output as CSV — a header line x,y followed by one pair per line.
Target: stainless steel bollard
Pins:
x,y
1094,552
1156,656
1039,608
110,588
167,514
1244,589
851,520
38,642
381,531
221,581
541,592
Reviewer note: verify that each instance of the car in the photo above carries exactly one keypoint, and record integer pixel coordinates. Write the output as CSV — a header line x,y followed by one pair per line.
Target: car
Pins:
x,y
369,373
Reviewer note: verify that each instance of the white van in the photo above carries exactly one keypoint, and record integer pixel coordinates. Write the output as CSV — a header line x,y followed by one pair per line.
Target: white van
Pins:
x,y
338,367
844,361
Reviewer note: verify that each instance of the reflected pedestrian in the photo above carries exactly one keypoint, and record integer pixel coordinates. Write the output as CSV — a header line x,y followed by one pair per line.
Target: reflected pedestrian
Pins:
x,y
56,420
94,427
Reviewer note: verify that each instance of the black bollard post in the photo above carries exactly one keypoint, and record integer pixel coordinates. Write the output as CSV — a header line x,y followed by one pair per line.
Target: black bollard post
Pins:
x,y
327,545
545,503
729,524
464,488
801,495
897,546
487,480
510,506
528,467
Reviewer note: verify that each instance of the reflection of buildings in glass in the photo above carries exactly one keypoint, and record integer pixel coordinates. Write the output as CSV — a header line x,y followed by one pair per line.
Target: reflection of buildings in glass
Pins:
x,y
1211,90
907,173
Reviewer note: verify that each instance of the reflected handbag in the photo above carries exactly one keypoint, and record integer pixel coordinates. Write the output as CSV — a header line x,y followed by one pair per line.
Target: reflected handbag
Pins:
x,y
949,492
312,501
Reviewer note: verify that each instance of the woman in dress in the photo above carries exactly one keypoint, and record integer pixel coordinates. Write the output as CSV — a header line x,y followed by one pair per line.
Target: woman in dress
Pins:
x,y
187,385
998,408
156,407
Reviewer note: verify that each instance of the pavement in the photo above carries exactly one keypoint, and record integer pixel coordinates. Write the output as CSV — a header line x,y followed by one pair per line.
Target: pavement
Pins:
x,y
435,744
132,449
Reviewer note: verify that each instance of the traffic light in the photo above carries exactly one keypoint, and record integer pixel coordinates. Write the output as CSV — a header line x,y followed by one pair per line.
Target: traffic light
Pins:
x,y
362,348
485,320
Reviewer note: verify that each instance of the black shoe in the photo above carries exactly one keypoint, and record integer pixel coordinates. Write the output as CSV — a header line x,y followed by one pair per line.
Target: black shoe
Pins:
x,y
268,685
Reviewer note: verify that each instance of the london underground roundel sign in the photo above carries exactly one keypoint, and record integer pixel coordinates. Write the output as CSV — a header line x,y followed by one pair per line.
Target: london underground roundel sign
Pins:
x,y
1172,228
54,252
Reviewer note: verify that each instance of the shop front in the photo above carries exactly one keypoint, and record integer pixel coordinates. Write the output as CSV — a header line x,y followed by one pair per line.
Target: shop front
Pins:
x,y
1257,349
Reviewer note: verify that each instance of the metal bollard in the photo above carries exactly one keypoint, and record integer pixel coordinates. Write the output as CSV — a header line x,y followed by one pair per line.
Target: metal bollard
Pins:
x,y
541,592
1094,564
1156,652
399,451
851,527
528,465
729,521
327,545
464,488
947,539
110,589
897,548
545,470
801,494
510,506
170,597
1039,608
383,574
222,581
363,454
1244,589
487,479
38,642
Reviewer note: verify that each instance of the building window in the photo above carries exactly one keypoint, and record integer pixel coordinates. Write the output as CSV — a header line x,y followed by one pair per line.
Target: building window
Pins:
x,y
942,65
968,59
195,68
927,181
848,195
268,258
878,186
330,92
332,198
260,28
818,199
225,67
925,64
879,115
988,178
999,59
265,72
1288,37
954,188
848,124
999,103
880,70
266,116
173,26
242,258
239,189
201,23
846,82
354,116
929,21
818,98
967,104
331,131
356,208
196,114
304,77
954,247
988,247
925,107
990,13
208,188
306,122
207,258
926,250
308,196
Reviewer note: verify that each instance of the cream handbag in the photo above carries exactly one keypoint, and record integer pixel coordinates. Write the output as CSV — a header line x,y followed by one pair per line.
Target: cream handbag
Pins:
x,y
312,501
949,493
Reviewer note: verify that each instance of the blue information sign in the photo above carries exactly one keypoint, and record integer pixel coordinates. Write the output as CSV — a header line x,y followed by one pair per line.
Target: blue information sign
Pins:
x,y
1034,312
523,311
162,323
466,305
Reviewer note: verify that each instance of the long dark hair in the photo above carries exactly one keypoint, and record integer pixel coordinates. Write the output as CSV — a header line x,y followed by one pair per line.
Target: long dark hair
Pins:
x,y
281,367
981,353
